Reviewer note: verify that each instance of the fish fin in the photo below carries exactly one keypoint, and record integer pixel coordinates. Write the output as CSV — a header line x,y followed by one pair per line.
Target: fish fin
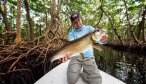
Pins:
x,y
97,47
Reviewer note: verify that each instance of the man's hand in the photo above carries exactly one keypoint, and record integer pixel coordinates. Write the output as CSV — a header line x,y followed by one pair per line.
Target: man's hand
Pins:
x,y
64,59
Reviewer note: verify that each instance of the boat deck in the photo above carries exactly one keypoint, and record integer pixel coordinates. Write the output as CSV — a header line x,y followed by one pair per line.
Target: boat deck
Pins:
x,y
58,76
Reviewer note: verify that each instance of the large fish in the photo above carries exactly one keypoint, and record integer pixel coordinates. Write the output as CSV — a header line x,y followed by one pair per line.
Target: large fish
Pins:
x,y
79,45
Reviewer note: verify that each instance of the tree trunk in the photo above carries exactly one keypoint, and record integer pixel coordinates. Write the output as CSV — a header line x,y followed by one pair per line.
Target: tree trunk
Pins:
x,y
55,11
40,27
29,19
130,26
4,15
53,8
112,24
18,24
141,26
46,15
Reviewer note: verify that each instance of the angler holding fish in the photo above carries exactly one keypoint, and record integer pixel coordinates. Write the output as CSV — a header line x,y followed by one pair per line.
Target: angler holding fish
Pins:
x,y
80,50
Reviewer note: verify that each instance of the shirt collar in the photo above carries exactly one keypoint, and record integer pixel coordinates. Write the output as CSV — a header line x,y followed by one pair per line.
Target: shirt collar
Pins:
x,y
79,28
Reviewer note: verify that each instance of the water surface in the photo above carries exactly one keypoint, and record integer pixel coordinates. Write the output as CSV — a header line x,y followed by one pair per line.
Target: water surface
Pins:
x,y
128,67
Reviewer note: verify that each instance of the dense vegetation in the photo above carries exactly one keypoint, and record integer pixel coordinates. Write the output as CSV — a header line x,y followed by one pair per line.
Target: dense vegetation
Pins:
x,y
124,20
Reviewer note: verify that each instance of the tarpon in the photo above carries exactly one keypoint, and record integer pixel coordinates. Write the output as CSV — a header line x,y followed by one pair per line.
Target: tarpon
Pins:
x,y
79,45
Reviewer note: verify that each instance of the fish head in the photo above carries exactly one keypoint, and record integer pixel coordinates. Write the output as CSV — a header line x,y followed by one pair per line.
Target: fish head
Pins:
x,y
97,35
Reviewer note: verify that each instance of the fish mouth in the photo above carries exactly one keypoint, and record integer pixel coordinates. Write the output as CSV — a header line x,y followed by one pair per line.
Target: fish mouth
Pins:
x,y
96,37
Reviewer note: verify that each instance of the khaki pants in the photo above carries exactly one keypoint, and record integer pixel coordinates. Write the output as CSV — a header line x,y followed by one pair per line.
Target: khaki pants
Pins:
x,y
90,70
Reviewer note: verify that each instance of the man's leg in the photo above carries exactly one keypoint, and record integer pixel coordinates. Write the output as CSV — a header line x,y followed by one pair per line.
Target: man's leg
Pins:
x,y
91,72
73,70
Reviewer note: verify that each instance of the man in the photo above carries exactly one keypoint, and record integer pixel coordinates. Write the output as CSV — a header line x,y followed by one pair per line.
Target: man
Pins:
x,y
85,60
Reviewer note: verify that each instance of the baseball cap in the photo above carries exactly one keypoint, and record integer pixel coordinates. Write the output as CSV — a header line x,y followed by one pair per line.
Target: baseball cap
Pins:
x,y
74,16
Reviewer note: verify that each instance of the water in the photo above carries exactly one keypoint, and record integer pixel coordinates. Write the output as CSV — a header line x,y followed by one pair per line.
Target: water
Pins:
x,y
129,68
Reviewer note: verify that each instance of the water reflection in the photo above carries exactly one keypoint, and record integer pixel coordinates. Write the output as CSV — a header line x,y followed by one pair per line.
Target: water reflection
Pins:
x,y
130,68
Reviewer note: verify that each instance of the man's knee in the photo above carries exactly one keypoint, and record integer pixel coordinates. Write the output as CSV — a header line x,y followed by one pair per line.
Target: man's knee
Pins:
x,y
72,79
94,80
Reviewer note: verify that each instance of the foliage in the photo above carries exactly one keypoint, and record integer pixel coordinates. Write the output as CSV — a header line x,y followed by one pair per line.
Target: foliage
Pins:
x,y
90,11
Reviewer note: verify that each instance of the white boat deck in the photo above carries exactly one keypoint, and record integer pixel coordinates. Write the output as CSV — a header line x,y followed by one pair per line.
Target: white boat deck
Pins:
x,y
58,76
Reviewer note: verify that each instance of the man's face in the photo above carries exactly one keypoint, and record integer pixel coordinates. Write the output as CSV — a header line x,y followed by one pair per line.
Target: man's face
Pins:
x,y
77,23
